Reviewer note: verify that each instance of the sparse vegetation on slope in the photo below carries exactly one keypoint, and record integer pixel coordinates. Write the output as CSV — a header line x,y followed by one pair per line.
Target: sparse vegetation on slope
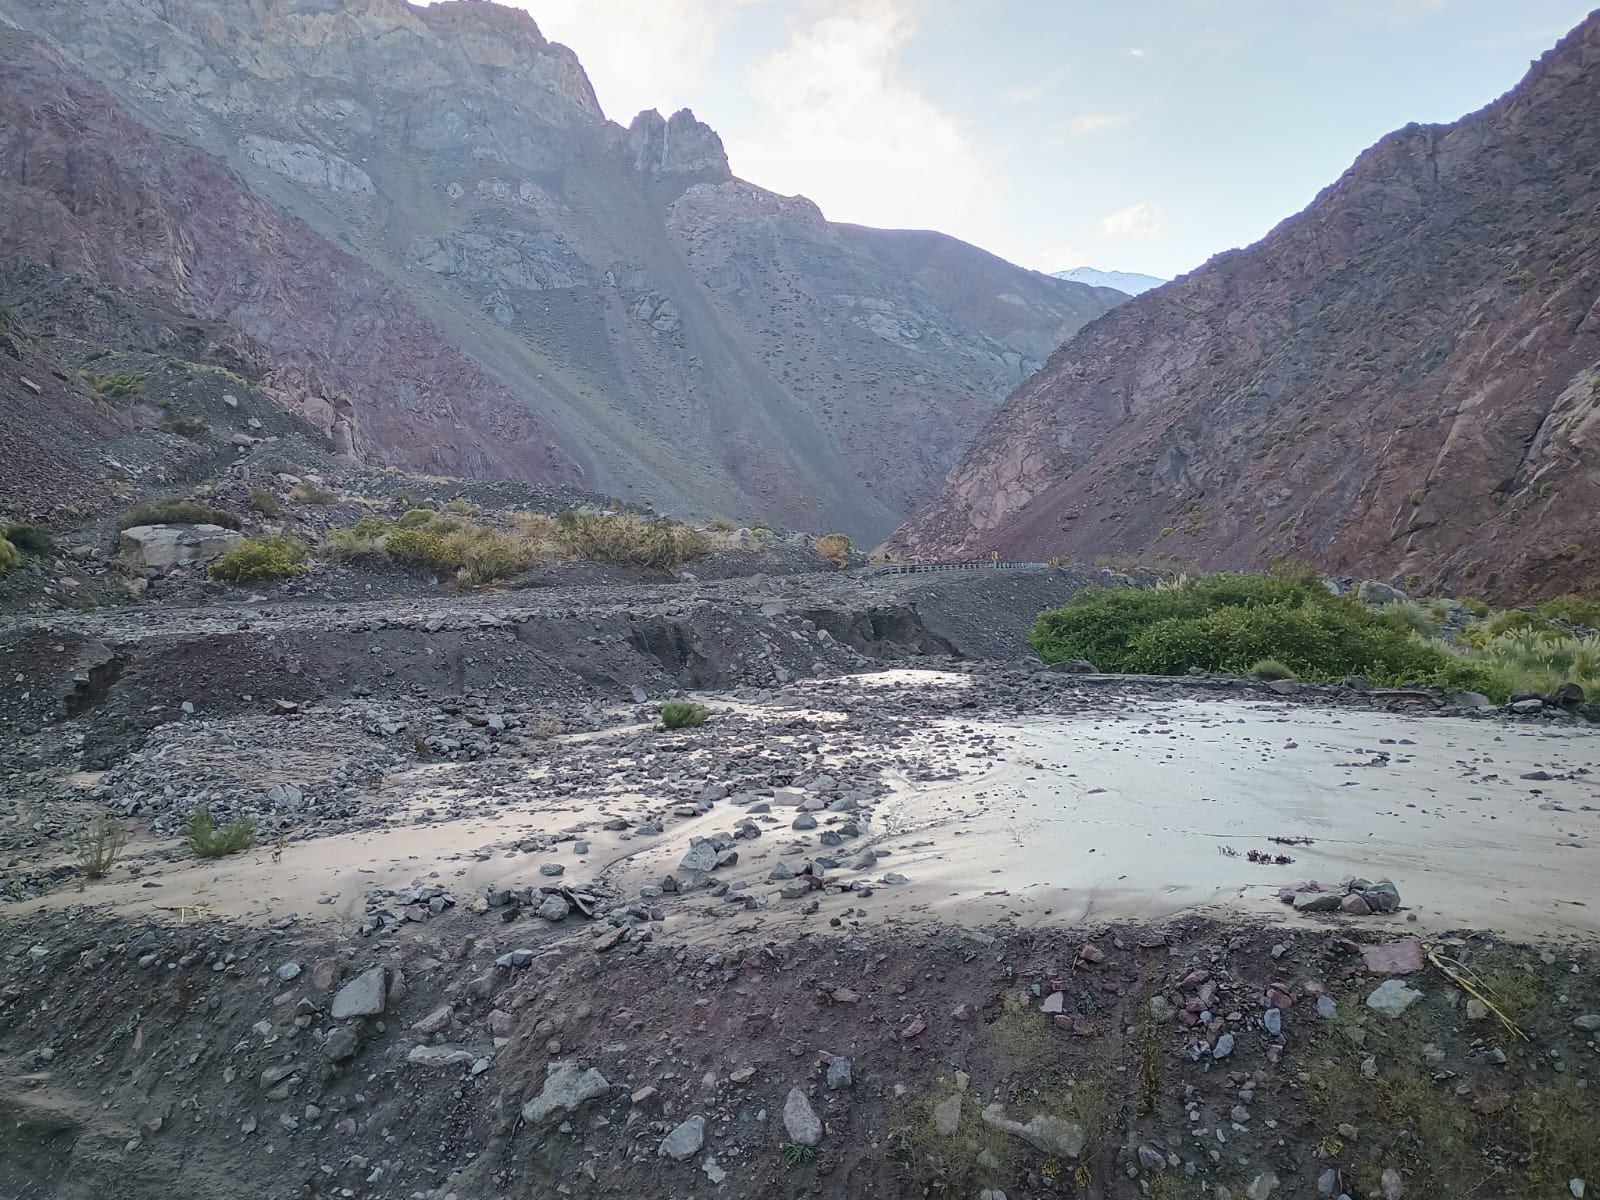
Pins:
x,y
30,539
177,512
683,714
207,841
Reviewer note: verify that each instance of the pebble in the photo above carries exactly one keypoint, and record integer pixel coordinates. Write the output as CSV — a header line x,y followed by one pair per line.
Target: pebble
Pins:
x,y
840,1073
1392,998
800,1120
1273,1020
685,1141
1224,1047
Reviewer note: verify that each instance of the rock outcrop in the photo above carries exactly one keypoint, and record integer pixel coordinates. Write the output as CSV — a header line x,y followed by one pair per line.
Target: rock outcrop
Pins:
x,y
425,208
1403,379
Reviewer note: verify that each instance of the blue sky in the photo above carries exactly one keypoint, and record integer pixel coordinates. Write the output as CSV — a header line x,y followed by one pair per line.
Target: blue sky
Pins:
x,y
1143,136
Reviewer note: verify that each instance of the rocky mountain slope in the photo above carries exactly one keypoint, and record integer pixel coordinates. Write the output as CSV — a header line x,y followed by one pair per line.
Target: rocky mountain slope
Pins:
x,y
1124,281
1403,377
422,213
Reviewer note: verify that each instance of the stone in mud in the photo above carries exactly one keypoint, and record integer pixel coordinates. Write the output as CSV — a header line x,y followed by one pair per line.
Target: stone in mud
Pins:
x,y
1383,896
800,1120
434,1021
1355,905
1316,901
555,908
1262,1186
701,856
1073,666
551,869
440,1056
363,996
840,1073
1391,998
685,1141
947,1115
1588,1022
1396,958
804,821
1051,1135
342,1044
566,1089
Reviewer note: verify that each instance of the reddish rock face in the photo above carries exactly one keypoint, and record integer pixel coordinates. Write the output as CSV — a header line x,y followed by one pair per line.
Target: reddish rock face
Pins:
x,y
1402,380
460,266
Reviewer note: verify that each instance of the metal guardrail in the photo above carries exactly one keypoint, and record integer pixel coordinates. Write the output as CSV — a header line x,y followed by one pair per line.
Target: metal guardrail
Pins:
x,y
981,564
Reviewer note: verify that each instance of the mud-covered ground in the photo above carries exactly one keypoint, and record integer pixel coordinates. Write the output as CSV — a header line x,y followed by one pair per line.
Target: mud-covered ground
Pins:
x,y
908,915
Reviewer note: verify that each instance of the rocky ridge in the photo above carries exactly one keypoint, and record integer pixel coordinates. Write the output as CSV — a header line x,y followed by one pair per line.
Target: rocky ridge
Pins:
x,y
1404,376
423,210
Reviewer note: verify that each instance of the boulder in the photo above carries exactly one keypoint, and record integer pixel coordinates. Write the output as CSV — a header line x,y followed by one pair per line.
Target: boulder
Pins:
x,y
1050,1135
1397,958
800,1120
162,547
567,1088
363,996
685,1141
1373,592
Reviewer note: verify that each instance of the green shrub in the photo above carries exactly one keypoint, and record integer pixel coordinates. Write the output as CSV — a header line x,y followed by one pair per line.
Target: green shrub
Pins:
x,y
1574,610
263,501
1475,606
488,556
207,841
416,518
1270,668
310,493
1408,614
30,539
99,844
422,548
352,545
683,714
177,512
192,428
275,556
1541,660
10,556
628,539
1233,623
835,547
461,507
116,384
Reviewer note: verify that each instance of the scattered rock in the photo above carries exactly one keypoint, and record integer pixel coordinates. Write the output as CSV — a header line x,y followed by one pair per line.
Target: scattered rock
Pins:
x,y
1392,998
840,1073
1396,958
1052,1135
800,1121
566,1089
363,996
947,1115
685,1141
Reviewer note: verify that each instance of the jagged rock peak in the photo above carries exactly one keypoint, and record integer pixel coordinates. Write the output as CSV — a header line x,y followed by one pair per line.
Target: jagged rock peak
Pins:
x,y
677,145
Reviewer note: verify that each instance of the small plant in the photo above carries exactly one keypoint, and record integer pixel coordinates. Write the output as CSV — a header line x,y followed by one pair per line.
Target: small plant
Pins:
x,y
1271,668
354,545
416,518
683,714
10,556
99,844
835,547
263,501
460,506
177,512
310,493
192,428
255,560
797,1154
30,539
722,524
207,841
117,384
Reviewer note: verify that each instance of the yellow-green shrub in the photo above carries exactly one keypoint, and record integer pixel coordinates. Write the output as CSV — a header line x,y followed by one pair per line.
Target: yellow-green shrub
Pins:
x,y
835,547
254,560
10,556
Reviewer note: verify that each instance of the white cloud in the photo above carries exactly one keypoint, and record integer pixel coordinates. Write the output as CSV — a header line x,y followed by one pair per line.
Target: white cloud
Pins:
x,y
1035,90
1086,123
838,121
638,54
1136,51
1139,222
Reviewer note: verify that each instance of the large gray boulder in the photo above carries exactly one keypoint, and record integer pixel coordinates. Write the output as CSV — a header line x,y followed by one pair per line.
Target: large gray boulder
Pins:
x,y
162,547
566,1089
363,996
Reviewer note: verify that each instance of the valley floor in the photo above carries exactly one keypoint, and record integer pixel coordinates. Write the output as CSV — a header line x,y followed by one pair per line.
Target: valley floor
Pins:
x,y
906,916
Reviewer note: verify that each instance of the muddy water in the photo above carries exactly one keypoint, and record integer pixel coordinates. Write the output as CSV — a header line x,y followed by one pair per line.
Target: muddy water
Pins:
x,y
1132,809
1136,816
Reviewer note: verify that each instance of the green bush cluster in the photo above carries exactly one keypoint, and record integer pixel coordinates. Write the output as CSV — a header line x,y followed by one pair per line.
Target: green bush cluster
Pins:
x,y
310,493
683,714
117,384
10,556
256,560
177,512
627,539
192,428
1234,623
207,841
30,539
1574,610
263,501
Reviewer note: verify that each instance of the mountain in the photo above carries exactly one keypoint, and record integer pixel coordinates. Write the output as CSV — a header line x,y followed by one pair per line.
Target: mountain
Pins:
x,y
1130,282
1404,378
459,266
